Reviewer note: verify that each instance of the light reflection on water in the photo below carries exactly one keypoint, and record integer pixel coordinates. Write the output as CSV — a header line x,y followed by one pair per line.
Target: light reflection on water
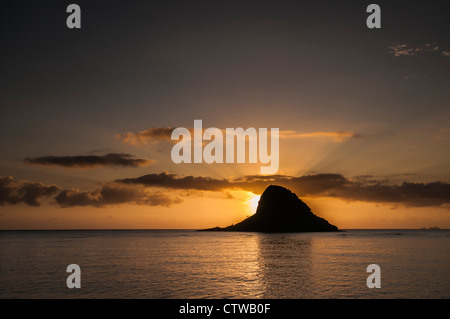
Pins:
x,y
190,264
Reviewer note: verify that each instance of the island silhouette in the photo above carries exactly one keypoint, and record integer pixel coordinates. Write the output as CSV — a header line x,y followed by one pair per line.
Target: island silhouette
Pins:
x,y
280,210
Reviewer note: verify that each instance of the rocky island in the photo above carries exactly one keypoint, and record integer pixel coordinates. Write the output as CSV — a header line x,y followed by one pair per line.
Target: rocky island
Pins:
x,y
280,210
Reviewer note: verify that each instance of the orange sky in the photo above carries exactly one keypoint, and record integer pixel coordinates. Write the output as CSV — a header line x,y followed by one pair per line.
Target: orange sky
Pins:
x,y
212,210
86,114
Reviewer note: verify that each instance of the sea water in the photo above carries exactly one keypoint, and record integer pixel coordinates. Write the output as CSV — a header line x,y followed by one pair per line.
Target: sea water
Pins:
x,y
192,264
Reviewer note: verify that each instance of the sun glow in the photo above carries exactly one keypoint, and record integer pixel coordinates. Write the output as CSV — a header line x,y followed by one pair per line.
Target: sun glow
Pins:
x,y
253,202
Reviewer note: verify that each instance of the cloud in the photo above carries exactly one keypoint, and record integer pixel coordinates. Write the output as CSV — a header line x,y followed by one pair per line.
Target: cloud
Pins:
x,y
147,190
406,50
30,193
89,161
409,194
317,185
305,185
114,194
402,50
163,134
151,135
173,181
336,136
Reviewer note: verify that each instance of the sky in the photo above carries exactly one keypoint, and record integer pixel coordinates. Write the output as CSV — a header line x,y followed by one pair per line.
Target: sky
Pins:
x,y
86,114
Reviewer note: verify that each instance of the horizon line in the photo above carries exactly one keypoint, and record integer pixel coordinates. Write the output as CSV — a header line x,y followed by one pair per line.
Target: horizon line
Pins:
x,y
193,229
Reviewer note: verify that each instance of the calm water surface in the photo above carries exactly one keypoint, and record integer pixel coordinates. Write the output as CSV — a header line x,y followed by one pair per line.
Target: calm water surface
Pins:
x,y
190,264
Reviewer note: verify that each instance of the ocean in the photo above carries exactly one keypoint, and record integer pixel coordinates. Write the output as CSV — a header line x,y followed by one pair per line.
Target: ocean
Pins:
x,y
190,264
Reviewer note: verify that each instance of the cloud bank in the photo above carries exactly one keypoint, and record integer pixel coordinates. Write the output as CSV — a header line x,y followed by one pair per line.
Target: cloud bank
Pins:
x,y
30,193
114,194
153,190
318,185
163,134
89,161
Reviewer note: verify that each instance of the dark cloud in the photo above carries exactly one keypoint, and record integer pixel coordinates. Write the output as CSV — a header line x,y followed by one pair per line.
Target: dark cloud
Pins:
x,y
146,190
90,161
306,185
408,194
114,194
30,193
317,185
175,182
